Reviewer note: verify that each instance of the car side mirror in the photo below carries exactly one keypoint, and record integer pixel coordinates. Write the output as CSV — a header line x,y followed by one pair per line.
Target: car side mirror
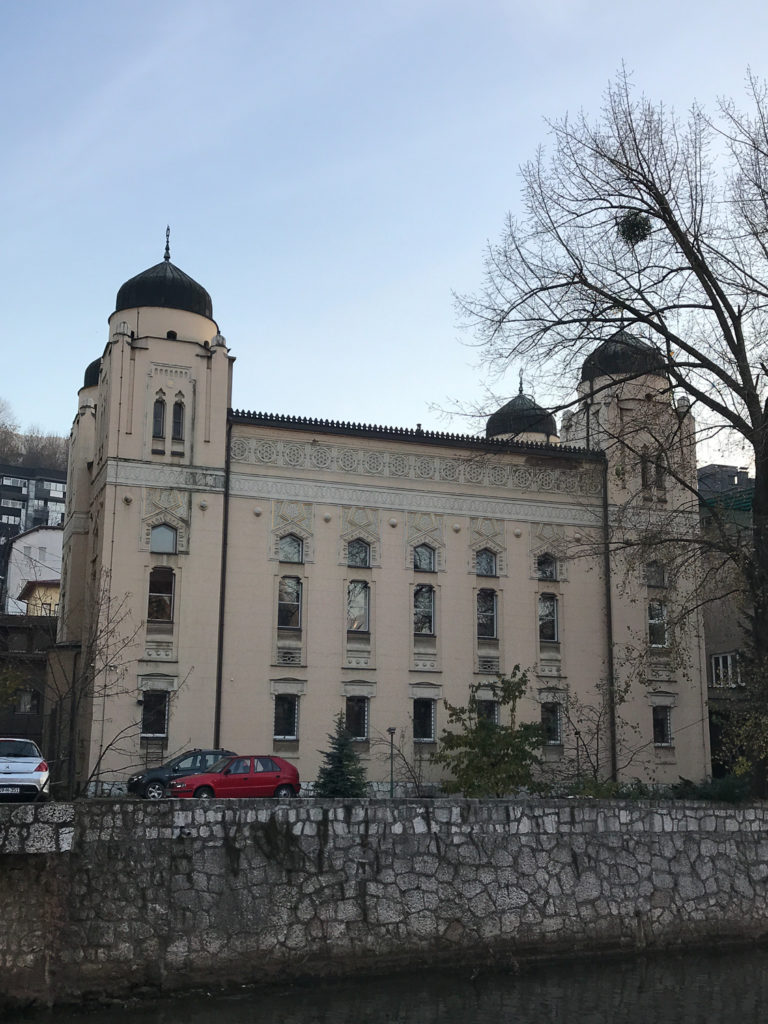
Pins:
x,y
227,771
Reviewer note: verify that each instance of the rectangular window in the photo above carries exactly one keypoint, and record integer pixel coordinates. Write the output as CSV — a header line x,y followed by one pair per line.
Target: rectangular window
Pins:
x,y
655,575
286,716
486,613
662,727
154,713
657,624
161,593
551,725
424,610
424,720
357,606
548,625
356,717
725,669
289,603
488,711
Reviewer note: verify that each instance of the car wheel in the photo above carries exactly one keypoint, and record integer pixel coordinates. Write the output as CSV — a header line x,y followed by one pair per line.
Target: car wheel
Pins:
x,y
284,791
204,793
154,791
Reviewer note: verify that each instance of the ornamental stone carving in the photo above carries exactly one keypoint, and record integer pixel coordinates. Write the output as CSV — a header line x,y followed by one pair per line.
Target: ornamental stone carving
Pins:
x,y
485,470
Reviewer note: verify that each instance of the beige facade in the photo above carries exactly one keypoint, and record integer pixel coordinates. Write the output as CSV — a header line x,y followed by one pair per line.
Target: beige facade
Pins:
x,y
238,579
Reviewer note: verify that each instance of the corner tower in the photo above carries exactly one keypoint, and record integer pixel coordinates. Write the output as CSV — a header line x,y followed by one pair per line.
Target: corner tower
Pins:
x,y
144,521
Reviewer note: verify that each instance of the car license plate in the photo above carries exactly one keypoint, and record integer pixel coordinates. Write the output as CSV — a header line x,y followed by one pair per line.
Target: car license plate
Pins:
x,y
10,789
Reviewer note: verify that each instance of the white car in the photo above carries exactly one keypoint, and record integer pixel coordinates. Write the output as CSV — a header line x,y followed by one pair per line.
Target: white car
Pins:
x,y
24,773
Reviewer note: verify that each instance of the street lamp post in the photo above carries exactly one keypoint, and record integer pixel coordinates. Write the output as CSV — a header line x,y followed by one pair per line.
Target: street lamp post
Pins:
x,y
391,731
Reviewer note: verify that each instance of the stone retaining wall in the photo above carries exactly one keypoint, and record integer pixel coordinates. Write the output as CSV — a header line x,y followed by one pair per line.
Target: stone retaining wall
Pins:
x,y
113,896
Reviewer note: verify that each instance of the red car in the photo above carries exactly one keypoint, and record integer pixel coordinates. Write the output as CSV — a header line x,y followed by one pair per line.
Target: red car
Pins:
x,y
253,775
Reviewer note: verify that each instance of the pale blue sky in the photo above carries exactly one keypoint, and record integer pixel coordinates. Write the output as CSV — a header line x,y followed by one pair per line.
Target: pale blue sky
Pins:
x,y
330,170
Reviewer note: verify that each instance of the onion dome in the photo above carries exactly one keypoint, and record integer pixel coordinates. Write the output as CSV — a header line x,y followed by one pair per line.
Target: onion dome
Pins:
x,y
521,416
92,370
166,286
623,355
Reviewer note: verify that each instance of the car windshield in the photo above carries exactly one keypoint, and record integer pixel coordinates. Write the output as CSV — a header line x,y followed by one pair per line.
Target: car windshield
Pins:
x,y
18,748
219,766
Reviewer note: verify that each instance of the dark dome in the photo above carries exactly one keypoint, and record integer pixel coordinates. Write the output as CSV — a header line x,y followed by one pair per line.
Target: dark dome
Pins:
x,y
623,355
92,370
521,416
167,286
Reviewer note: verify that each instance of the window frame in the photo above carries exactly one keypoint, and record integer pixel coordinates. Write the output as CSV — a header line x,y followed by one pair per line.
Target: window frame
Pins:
x,y
427,549
147,710
169,531
363,591
167,596
158,419
30,698
428,614
542,573
492,558
729,679
544,619
489,616
488,710
283,603
655,575
362,705
420,706
284,702
661,719
358,544
177,421
551,715
658,623
282,549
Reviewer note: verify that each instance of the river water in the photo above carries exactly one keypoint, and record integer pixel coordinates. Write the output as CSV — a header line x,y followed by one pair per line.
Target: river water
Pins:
x,y
693,988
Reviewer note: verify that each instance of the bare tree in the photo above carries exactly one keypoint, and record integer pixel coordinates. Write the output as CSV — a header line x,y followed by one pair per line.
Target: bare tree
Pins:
x,y
82,675
40,449
10,446
643,220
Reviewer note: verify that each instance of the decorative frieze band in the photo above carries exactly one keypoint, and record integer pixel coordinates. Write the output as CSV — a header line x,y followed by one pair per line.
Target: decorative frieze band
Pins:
x,y
475,469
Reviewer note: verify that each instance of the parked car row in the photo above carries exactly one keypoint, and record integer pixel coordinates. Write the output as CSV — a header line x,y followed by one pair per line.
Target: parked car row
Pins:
x,y
206,774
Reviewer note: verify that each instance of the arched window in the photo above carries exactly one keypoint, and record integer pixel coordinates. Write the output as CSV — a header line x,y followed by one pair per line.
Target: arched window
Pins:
x,y
289,603
546,567
486,613
485,562
424,558
291,548
359,554
424,610
358,603
162,539
161,595
158,418
177,426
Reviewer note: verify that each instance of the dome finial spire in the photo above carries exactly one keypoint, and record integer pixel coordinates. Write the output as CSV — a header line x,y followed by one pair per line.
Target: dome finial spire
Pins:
x,y
167,256
521,383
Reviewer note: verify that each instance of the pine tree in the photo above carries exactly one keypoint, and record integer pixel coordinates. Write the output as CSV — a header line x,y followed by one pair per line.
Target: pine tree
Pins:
x,y
342,773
